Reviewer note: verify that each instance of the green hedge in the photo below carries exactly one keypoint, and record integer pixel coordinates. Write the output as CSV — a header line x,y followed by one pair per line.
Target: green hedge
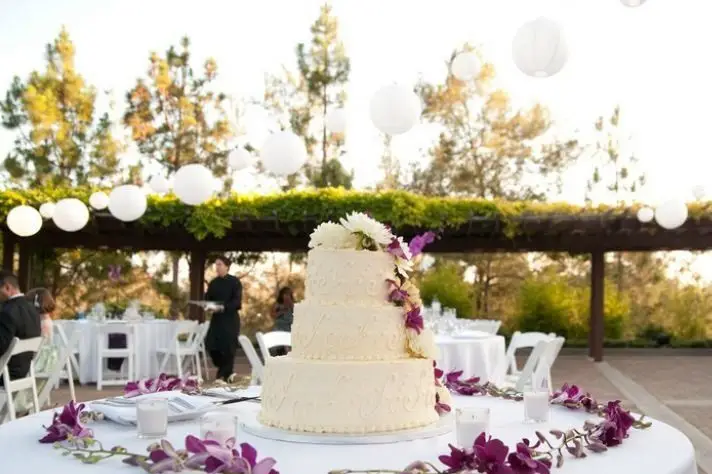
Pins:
x,y
643,344
398,208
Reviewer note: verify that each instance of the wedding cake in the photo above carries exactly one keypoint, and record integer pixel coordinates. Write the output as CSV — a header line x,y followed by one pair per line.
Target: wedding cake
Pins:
x,y
361,361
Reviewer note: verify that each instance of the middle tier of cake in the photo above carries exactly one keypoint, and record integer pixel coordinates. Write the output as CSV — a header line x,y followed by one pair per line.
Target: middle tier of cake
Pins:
x,y
348,397
348,332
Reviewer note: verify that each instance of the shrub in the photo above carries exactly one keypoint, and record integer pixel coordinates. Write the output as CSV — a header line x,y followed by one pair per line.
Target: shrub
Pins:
x,y
445,282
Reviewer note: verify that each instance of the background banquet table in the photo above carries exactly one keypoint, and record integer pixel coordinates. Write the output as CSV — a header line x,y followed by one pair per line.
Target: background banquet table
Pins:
x,y
658,450
478,356
151,335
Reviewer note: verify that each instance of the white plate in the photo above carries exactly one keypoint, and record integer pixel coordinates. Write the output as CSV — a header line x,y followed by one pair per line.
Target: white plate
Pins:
x,y
125,414
222,392
249,424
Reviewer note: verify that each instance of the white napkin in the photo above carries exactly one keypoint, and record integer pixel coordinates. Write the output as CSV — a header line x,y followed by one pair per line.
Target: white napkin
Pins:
x,y
124,412
223,392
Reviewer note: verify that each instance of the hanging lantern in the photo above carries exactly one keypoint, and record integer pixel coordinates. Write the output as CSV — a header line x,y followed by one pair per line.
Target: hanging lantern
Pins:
x,y
465,66
395,109
70,215
539,48
194,184
283,153
127,203
671,214
99,200
24,221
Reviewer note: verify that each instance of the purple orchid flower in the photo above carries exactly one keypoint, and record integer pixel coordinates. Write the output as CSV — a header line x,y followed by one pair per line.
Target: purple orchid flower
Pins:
x,y
396,249
414,320
395,293
572,397
441,408
459,460
620,418
438,373
162,383
418,243
114,272
67,424
491,455
521,461
469,386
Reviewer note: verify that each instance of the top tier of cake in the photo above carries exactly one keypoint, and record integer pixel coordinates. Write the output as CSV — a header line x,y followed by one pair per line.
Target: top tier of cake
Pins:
x,y
348,277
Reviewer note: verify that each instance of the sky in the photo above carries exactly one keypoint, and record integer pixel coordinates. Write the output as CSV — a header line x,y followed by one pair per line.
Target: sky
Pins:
x,y
649,59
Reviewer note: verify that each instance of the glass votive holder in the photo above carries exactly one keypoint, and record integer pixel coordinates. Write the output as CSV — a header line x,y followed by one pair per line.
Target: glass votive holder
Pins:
x,y
470,422
218,426
536,406
152,417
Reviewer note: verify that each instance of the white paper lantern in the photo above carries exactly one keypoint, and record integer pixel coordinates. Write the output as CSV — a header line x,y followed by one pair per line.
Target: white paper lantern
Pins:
x,y
395,109
671,214
645,214
194,184
283,153
699,192
24,221
99,200
47,210
240,159
127,203
632,3
159,184
336,120
465,66
70,215
539,48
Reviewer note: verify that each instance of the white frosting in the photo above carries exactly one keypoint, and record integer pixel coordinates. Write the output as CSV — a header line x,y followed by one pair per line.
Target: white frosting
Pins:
x,y
348,397
347,332
348,277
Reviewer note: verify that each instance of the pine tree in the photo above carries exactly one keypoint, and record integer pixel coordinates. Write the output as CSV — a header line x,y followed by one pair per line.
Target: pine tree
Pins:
x,y
59,137
303,100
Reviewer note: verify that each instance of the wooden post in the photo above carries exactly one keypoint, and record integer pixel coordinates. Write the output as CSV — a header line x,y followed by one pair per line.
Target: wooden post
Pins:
x,y
596,323
23,273
8,251
197,283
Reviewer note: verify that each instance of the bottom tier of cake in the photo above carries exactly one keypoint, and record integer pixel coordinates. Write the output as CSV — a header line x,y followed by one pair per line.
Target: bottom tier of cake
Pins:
x,y
348,397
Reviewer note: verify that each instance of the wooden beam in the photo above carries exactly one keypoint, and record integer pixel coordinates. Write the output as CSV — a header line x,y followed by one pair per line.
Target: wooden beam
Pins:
x,y
197,283
8,251
24,270
596,321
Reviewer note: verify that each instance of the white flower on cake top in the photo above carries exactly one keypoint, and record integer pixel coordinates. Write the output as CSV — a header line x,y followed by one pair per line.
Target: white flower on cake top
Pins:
x,y
333,237
369,230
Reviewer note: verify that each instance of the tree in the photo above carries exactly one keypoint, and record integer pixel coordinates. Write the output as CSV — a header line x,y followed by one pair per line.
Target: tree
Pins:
x,y
488,150
302,101
390,166
59,137
614,171
485,149
175,117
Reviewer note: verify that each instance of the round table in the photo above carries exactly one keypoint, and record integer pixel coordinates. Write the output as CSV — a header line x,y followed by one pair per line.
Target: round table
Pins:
x,y
658,450
150,335
482,357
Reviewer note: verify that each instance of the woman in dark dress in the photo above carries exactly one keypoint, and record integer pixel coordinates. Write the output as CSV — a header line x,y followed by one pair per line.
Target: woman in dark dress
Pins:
x,y
283,312
221,340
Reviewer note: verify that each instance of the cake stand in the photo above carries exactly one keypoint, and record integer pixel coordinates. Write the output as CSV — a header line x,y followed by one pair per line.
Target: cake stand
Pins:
x,y
251,425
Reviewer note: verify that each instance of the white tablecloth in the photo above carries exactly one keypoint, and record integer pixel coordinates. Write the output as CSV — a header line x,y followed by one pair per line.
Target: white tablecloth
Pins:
x,y
150,336
482,357
658,450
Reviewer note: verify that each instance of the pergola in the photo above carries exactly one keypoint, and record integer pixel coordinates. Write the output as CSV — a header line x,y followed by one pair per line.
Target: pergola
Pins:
x,y
580,232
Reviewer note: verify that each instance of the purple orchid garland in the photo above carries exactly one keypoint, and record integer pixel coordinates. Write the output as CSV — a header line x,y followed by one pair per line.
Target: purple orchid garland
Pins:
x,y
162,383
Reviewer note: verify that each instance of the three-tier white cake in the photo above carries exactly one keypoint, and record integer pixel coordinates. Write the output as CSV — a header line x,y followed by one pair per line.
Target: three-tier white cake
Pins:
x,y
350,369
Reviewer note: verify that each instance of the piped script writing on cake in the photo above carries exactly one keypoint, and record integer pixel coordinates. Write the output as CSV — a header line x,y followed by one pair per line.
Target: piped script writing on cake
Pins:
x,y
361,360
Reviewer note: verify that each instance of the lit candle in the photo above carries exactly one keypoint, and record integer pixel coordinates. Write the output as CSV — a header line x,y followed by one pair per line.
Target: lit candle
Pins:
x,y
469,424
152,417
218,426
536,407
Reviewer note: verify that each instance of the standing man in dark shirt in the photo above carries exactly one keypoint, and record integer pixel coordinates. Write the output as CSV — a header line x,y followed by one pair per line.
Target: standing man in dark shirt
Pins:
x,y
221,340
18,319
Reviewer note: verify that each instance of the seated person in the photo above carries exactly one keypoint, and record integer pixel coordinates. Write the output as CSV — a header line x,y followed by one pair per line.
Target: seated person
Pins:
x,y
18,319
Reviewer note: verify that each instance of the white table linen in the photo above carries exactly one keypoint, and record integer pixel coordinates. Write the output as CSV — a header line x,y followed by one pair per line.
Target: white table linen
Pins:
x,y
480,356
658,450
150,335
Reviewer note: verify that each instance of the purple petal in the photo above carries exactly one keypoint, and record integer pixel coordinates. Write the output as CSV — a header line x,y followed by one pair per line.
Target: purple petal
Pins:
x,y
194,445
249,453
264,466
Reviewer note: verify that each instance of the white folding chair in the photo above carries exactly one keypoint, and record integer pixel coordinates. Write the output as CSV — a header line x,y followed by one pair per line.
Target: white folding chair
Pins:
x,y
4,358
62,369
522,340
523,379
103,352
272,339
180,350
548,357
255,362
60,329
203,353
28,382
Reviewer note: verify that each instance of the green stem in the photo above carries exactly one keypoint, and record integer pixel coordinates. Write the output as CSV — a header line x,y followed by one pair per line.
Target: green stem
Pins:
x,y
82,449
